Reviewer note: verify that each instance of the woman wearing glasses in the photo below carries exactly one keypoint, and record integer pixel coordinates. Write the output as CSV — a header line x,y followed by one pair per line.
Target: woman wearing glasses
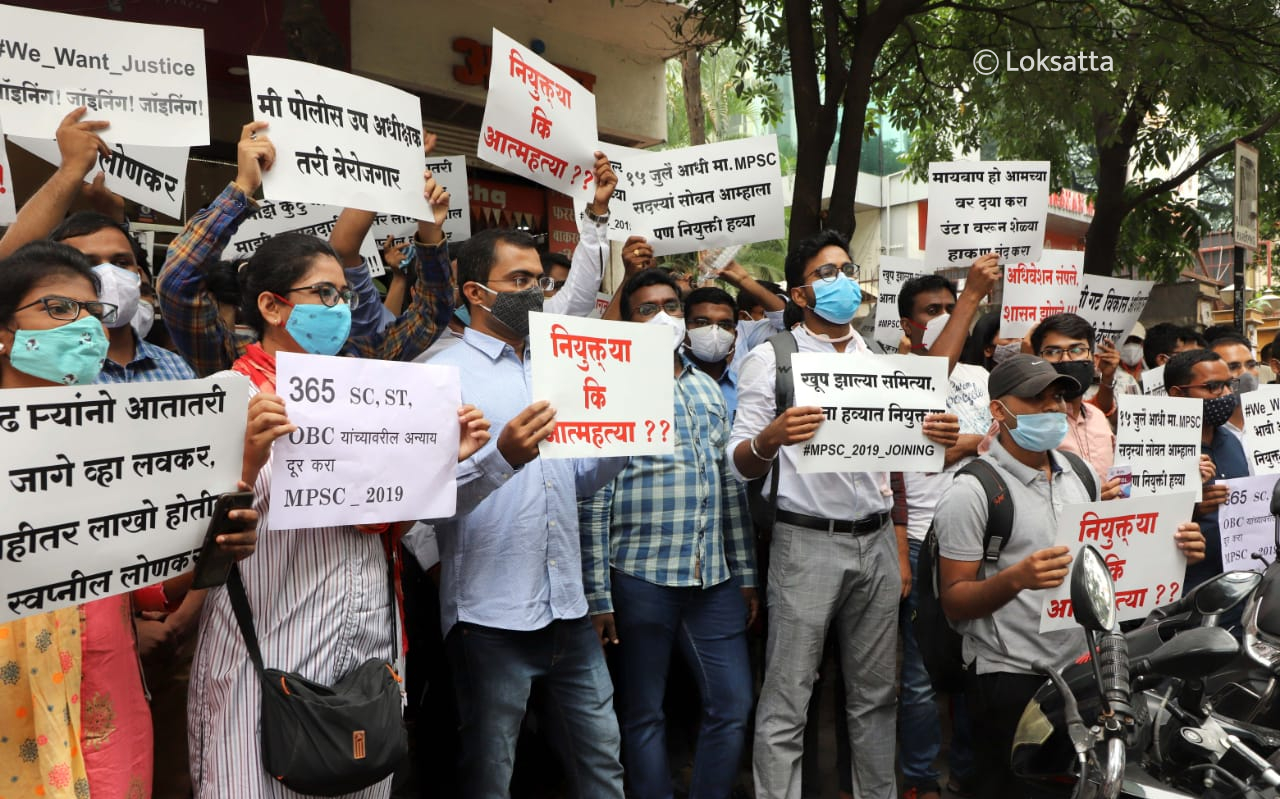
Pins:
x,y
75,718
319,596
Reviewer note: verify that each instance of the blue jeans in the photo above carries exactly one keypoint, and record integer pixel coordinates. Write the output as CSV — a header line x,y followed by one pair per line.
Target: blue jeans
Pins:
x,y
493,672
710,627
919,729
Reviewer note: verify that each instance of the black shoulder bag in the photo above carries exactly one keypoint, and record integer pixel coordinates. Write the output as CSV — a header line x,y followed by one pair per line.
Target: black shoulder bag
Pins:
x,y
321,740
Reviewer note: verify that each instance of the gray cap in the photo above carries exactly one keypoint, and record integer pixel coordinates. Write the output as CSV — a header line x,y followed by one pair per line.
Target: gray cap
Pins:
x,y
1026,376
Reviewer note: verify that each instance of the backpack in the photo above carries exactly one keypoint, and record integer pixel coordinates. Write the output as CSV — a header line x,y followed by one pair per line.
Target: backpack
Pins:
x,y
764,507
941,647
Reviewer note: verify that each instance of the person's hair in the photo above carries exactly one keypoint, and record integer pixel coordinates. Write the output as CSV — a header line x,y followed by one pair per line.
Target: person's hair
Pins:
x,y
1265,354
982,336
1197,338
918,285
653,276
1163,339
279,263
1064,324
477,258
223,281
1227,339
748,302
1177,370
806,249
36,263
709,294
86,223
550,259
1215,332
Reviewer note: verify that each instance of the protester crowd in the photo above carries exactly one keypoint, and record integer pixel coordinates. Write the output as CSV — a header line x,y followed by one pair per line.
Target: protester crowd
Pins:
x,y
560,592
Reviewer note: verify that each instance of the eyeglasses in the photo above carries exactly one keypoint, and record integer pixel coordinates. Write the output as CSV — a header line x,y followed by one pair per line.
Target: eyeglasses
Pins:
x,y
559,284
827,273
1216,387
727,325
522,282
1076,352
330,294
65,309
672,307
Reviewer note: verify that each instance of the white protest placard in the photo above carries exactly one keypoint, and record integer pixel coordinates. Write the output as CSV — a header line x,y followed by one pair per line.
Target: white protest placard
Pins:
x,y
1245,523
1112,305
450,171
340,139
1160,438
611,384
110,487
977,207
148,81
622,221
152,176
969,400
875,407
711,195
894,271
310,219
1136,537
377,441
539,123
1261,432
8,207
1035,291
1153,381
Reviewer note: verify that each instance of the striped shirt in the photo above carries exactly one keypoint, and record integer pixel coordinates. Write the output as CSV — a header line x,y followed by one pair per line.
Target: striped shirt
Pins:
x,y
321,606
150,364
673,520
190,310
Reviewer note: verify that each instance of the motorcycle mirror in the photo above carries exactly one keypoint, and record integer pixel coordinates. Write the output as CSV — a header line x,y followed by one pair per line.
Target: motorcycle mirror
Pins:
x,y
1093,595
1224,592
1275,499
1190,655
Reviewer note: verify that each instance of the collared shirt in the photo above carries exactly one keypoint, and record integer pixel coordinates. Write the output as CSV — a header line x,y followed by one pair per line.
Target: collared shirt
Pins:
x,y
510,558
150,364
190,310
831,495
1089,435
676,520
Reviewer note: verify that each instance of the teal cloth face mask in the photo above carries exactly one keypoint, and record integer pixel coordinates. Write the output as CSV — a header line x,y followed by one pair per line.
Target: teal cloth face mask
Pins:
x,y
70,355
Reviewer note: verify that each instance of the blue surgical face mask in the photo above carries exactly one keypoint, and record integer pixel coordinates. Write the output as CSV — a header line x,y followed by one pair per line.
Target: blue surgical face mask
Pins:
x,y
70,355
464,315
319,329
1037,432
837,301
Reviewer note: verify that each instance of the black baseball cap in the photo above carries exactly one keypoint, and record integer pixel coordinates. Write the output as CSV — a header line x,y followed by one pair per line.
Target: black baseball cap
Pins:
x,y
1026,376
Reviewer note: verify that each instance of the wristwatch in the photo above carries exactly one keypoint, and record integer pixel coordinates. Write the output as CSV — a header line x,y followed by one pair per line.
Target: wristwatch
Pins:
x,y
601,219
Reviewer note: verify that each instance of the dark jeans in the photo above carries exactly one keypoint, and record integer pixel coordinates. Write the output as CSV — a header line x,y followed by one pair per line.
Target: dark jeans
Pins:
x,y
494,671
709,626
995,703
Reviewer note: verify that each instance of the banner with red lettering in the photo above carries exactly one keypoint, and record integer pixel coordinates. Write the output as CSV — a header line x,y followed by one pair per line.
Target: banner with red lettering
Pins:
x,y
1035,290
1136,537
611,384
539,123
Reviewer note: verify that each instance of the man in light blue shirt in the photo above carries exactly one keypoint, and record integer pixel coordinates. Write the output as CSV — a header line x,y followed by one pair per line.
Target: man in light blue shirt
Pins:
x,y
513,608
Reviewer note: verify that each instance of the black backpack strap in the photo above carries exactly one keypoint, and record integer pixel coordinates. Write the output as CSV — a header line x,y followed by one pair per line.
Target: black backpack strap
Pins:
x,y
244,617
999,508
784,396
1084,471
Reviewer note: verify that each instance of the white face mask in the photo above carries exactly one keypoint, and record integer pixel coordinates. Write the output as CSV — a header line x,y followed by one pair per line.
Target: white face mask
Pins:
x,y
934,329
675,323
120,287
1131,354
144,319
710,344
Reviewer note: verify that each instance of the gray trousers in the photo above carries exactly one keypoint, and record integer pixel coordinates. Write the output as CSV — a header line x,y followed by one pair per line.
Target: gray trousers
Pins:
x,y
817,579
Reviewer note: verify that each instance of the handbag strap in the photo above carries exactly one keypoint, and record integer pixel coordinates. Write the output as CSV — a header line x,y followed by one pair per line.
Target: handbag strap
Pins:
x,y
244,617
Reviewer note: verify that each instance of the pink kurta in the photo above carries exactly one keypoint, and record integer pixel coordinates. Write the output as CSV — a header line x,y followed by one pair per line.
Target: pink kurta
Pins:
x,y
114,715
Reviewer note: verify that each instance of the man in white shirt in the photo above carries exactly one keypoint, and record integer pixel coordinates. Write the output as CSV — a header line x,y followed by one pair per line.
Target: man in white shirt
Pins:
x,y
833,557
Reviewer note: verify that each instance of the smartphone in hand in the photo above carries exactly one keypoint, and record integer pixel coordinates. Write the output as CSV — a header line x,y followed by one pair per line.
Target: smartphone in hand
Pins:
x,y
214,565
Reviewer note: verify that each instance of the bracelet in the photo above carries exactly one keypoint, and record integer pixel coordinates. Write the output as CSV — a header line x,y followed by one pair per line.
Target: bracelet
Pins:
x,y
599,219
752,442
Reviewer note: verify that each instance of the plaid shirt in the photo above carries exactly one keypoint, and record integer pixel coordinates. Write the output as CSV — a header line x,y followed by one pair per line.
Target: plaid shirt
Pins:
x,y
190,310
150,364
676,520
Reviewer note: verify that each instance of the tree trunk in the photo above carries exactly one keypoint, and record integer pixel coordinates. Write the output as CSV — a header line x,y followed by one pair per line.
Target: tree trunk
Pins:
x,y
691,72
815,122
1102,241
844,187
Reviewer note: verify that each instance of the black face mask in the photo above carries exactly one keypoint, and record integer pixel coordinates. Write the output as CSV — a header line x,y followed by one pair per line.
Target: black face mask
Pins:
x,y
1082,371
512,308
1219,409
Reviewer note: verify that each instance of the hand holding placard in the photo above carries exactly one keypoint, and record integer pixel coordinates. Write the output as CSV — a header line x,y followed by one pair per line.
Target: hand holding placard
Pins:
x,y
79,143
267,422
519,439
254,155
1045,568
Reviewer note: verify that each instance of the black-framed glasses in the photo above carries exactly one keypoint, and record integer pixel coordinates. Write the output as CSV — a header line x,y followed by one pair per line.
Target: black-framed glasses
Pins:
x,y
727,325
65,309
672,308
523,282
1076,352
829,272
1216,387
330,294
559,284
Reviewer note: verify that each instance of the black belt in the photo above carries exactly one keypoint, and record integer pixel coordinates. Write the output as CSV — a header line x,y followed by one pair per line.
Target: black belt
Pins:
x,y
868,524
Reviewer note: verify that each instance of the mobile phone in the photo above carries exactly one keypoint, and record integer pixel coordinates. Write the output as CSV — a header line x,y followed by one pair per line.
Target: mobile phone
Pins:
x,y
214,566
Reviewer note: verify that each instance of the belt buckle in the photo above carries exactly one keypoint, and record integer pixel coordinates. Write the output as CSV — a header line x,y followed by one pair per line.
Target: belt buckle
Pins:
x,y
831,527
